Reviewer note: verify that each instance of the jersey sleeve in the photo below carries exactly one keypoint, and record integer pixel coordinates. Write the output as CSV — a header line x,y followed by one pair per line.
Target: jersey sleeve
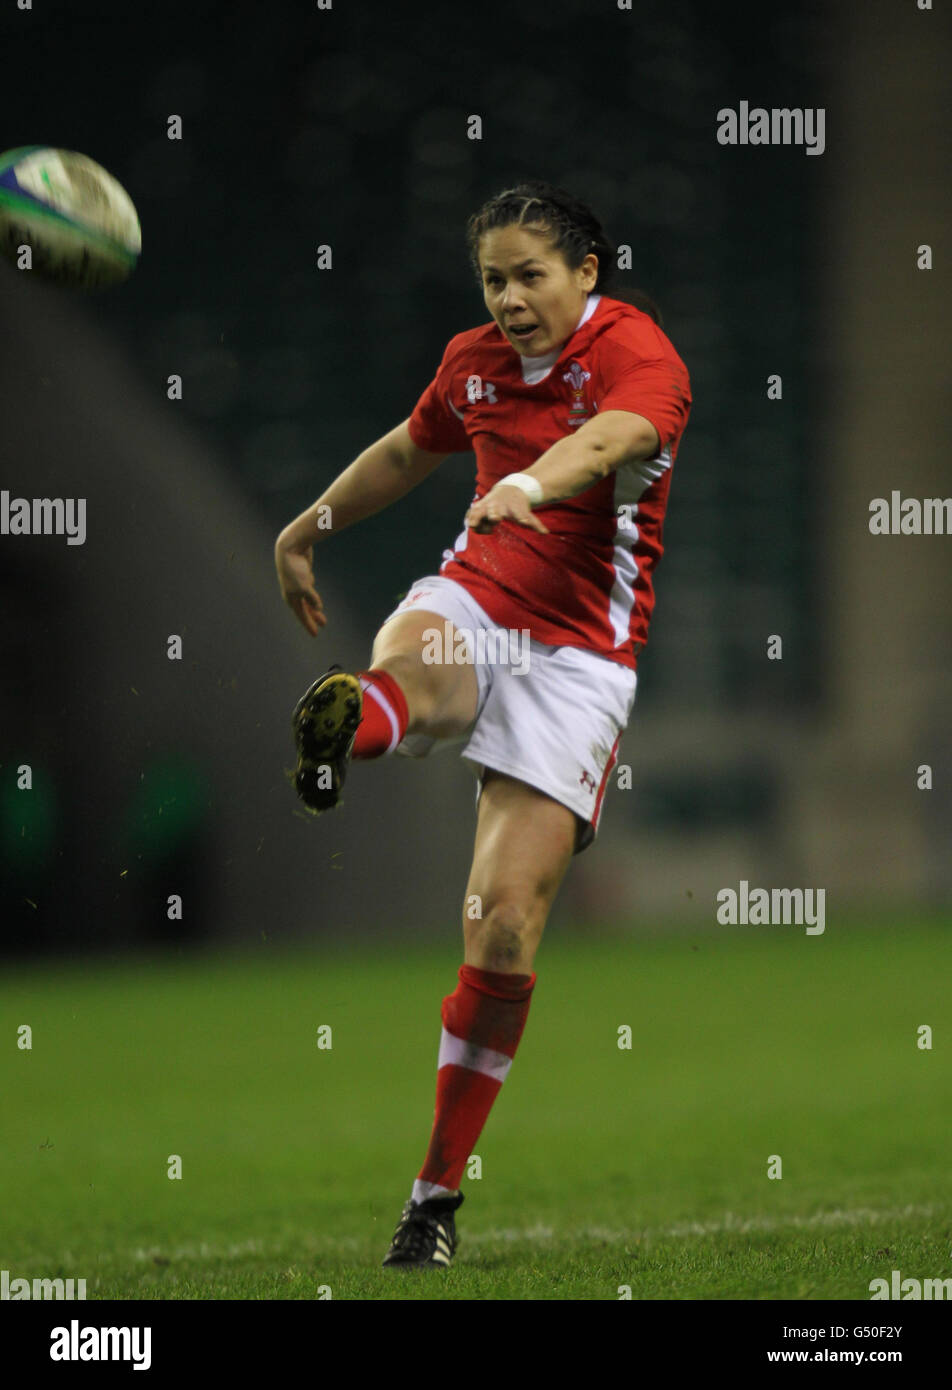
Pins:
x,y
434,424
654,384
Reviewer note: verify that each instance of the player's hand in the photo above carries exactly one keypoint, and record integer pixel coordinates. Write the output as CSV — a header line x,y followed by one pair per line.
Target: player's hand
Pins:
x,y
504,502
296,578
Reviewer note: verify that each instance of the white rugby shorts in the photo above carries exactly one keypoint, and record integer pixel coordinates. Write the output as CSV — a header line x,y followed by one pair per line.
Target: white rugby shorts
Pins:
x,y
549,716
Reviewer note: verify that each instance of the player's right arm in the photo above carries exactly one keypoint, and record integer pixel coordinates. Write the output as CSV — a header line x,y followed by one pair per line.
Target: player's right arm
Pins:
x,y
381,475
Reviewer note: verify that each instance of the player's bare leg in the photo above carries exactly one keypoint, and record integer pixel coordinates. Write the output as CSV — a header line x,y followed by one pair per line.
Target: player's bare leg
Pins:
x,y
441,696
524,843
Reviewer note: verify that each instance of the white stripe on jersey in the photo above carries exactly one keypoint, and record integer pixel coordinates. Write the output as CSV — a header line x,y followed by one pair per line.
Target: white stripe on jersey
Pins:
x,y
632,480
459,545
623,590
455,1052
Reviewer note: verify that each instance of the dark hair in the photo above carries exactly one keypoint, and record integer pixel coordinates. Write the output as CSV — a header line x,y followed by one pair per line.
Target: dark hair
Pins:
x,y
572,227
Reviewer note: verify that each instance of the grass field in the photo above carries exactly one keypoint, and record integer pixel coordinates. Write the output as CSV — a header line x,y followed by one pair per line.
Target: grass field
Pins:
x,y
601,1167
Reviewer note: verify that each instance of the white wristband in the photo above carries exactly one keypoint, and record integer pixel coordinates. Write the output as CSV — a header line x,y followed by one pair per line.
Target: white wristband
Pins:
x,y
530,486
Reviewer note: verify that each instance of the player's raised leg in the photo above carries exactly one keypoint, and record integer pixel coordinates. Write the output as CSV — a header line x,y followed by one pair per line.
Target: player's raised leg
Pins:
x,y
365,714
440,695
524,843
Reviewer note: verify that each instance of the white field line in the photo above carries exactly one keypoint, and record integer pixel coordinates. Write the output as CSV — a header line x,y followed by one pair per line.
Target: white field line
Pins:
x,y
728,1224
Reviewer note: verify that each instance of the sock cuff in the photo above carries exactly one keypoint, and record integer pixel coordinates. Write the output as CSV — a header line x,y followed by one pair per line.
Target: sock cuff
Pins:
x,y
388,694
497,982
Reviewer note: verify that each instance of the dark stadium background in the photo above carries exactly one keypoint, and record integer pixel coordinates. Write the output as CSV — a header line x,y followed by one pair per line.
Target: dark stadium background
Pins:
x,y
347,127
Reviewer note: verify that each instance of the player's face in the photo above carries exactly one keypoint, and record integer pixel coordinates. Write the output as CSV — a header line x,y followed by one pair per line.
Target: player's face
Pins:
x,y
527,285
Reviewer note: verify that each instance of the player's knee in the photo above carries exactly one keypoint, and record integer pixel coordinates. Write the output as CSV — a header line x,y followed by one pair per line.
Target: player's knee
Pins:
x,y
504,933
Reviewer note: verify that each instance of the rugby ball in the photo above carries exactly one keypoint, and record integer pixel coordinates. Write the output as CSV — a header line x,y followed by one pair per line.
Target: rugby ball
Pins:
x,y
79,222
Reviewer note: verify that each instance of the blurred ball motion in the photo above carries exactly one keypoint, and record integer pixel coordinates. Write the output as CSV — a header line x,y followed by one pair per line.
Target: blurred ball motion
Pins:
x,y
79,222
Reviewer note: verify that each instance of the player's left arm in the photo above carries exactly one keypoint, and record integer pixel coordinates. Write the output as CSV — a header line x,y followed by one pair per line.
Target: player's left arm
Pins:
x,y
571,465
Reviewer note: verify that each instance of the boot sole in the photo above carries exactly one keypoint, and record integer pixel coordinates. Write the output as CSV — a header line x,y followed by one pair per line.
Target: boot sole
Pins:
x,y
325,723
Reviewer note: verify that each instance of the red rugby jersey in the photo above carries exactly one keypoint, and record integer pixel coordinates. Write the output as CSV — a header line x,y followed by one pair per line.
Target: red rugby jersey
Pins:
x,y
589,582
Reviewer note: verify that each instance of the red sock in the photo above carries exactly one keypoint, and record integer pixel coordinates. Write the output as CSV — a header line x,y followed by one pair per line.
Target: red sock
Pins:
x,y
385,716
482,1024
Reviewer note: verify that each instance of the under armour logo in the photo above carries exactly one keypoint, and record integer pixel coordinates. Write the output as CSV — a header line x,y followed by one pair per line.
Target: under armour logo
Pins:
x,y
478,390
587,780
